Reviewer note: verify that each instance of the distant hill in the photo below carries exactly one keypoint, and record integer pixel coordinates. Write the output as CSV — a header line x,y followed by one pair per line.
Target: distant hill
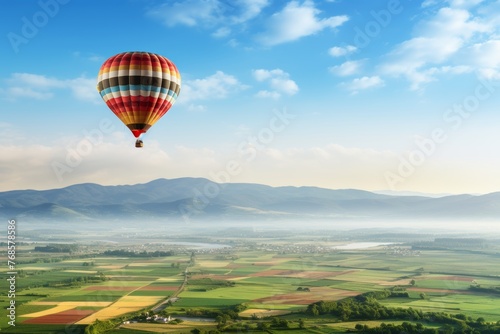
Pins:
x,y
198,198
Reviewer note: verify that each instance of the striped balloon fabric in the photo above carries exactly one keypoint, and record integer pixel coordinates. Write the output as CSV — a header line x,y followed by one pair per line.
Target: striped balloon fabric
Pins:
x,y
139,87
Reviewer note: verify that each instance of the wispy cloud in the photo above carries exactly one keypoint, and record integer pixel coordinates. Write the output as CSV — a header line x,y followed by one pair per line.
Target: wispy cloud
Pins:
x,y
339,51
364,83
37,166
347,68
279,81
40,87
351,166
89,56
213,14
484,57
248,9
44,166
436,41
216,86
188,12
10,134
297,20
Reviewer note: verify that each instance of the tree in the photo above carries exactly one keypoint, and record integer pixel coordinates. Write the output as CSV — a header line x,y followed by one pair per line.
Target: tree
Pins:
x,y
413,282
263,326
301,323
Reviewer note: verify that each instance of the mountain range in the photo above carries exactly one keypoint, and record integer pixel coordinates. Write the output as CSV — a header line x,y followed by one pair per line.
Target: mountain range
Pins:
x,y
198,198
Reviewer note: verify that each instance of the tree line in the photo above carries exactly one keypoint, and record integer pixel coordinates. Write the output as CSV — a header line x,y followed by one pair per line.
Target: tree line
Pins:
x,y
366,307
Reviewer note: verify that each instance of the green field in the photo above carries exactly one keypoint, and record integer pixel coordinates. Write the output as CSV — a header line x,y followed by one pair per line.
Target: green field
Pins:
x,y
266,283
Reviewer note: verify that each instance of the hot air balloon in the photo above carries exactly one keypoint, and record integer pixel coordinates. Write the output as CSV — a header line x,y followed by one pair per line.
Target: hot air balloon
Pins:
x,y
139,88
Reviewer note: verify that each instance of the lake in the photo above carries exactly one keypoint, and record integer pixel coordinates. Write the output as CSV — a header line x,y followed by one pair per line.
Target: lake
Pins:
x,y
362,245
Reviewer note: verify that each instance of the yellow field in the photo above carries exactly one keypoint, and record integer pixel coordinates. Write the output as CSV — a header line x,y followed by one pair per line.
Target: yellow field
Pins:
x,y
170,279
399,282
36,268
262,313
212,263
142,264
111,267
62,306
122,306
167,328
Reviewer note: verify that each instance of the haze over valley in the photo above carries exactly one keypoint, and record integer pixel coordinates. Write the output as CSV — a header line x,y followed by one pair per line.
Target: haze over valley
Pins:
x,y
191,200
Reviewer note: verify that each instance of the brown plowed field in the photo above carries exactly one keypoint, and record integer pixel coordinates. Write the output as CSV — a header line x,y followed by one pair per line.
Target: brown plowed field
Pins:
x,y
305,298
64,317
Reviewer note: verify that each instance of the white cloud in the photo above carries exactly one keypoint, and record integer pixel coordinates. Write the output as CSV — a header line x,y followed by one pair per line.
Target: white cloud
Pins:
x,y
36,166
216,86
249,9
40,87
10,134
347,68
197,107
484,57
278,80
44,166
339,51
464,3
364,83
350,167
84,89
16,92
452,3
222,32
89,56
35,81
268,94
208,13
188,12
428,3
436,42
296,21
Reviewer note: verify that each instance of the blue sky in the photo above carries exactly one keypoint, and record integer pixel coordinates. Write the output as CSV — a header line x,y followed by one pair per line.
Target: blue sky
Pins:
x,y
399,94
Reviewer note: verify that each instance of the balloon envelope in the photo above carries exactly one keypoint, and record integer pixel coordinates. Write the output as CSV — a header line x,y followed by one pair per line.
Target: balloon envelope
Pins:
x,y
139,88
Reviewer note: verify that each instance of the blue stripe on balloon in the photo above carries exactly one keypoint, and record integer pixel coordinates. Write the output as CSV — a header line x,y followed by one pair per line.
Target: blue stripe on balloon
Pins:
x,y
148,88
